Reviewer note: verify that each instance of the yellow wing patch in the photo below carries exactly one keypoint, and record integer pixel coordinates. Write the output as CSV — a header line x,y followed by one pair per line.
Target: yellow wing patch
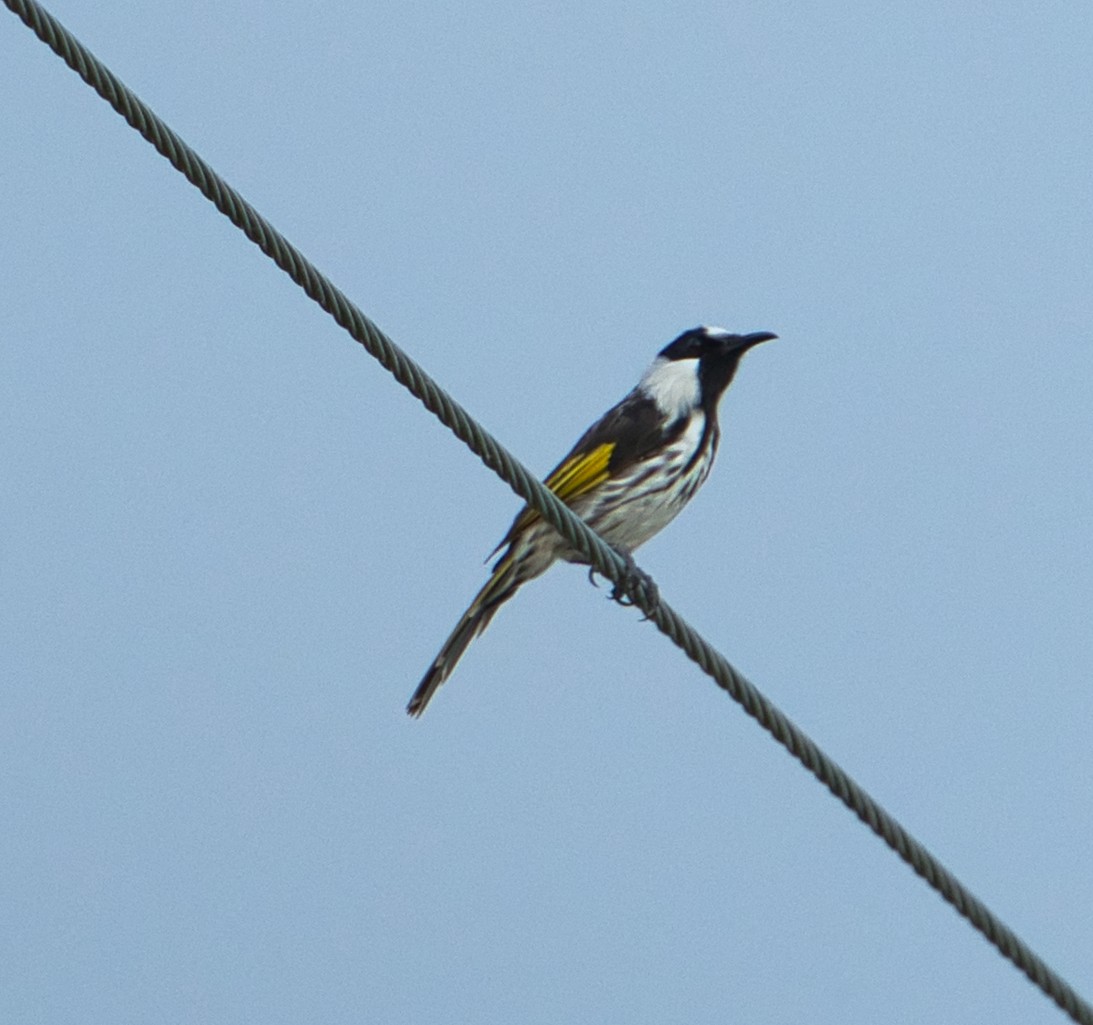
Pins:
x,y
581,473
578,475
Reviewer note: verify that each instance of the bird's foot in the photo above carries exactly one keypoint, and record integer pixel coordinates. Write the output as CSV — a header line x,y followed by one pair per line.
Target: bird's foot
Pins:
x,y
634,582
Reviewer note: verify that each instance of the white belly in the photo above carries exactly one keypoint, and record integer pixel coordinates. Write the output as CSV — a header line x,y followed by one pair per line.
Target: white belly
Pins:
x,y
628,511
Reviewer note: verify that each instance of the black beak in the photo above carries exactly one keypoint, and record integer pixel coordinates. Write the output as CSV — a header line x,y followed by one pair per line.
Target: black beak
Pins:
x,y
741,343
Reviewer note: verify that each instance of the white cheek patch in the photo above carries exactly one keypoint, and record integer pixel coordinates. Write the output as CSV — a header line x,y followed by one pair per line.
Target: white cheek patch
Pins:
x,y
673,385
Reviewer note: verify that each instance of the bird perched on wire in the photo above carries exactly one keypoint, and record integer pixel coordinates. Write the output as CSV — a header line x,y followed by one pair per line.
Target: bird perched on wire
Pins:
x,y
627,477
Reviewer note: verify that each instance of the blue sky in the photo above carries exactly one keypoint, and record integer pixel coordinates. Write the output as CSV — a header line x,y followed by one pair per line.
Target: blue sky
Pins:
x,y
231,544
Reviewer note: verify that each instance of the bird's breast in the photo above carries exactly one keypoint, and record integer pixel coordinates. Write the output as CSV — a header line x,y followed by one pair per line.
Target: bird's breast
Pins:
x,y
644,498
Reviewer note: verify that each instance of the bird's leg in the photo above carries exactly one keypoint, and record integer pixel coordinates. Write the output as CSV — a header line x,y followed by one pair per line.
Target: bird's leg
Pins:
x,y
633,582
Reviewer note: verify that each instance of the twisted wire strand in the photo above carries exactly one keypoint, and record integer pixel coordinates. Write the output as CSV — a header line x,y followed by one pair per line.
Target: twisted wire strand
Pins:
x,y
604,558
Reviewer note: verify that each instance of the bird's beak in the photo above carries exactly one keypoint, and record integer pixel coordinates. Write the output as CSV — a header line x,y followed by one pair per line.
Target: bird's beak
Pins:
x,y
745,342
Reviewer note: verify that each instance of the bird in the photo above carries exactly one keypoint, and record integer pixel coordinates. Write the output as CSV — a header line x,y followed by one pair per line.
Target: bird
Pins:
x,y
627,477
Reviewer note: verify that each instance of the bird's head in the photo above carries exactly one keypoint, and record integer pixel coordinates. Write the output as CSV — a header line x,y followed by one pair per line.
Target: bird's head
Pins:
x,y
695,369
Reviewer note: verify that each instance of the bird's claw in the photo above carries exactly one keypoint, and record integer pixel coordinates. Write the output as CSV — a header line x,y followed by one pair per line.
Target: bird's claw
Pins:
x,y
634,582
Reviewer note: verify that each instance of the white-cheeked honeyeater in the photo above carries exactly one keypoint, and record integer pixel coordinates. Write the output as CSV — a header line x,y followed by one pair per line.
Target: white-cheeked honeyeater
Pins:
x,y
627,477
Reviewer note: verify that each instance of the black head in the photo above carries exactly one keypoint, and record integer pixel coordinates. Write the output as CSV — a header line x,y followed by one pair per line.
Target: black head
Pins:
x,y
718,353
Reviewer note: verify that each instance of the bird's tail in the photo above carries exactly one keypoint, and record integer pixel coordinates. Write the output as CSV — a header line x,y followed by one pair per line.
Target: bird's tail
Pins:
x,y
503,583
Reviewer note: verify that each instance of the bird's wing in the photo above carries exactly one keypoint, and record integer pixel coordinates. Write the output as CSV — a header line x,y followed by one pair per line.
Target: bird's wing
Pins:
x,y
581,471
577,474
624,435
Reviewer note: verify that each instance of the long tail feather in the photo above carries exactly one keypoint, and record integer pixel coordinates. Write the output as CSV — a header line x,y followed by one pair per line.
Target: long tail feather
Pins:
x,y
501,586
